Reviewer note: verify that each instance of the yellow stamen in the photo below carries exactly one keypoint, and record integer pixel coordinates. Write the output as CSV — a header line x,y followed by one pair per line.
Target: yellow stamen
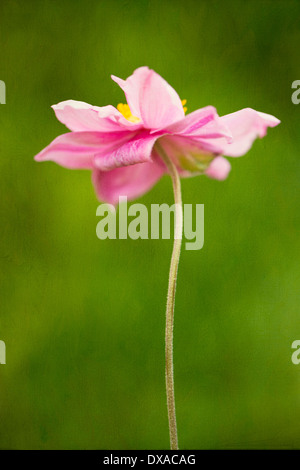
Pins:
x,y
126,112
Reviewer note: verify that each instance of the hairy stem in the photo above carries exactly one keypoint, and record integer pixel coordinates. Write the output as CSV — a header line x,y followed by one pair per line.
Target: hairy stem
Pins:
x,y
171,297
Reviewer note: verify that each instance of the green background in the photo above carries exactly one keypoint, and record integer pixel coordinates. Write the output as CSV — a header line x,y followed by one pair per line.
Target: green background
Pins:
x,y
83,319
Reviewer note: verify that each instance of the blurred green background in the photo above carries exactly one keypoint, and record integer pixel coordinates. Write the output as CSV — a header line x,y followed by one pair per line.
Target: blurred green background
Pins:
x,y
83,319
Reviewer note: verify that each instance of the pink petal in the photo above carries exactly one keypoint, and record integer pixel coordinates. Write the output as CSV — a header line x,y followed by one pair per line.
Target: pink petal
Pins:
x,y
131,87
79,117
136,150
151,98
203,129
218,169
131,181
203,123
76,150
246,125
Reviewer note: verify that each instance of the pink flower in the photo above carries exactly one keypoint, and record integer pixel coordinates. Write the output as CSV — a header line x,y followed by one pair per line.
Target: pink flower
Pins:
x,y
118,145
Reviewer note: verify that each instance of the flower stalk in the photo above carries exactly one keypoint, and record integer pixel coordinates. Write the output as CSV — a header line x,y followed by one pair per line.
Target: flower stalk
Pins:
x,y
119,146
171,297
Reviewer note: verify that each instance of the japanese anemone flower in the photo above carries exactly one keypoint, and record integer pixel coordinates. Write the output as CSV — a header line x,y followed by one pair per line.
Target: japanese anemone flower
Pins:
x,y
118,145
130,147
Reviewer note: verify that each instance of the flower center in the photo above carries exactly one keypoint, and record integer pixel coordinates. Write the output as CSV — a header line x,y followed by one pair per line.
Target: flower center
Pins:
x,y
183,102
125,111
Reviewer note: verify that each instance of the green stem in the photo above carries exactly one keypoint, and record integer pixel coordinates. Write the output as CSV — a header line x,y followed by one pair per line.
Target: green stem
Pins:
x,y
171,297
